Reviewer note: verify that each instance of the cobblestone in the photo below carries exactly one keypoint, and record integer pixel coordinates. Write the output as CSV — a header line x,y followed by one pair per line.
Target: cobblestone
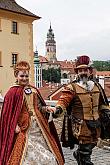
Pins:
x,y
100,156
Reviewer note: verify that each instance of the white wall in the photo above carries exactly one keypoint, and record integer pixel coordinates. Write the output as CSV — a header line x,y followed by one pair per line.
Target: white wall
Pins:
x,y
65,81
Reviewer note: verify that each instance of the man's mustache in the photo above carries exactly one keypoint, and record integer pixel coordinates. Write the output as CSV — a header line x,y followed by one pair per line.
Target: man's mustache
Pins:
x,y
83,76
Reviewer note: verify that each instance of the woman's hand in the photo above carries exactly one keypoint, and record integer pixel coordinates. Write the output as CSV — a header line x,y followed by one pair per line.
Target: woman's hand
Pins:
x,y
17,130
50,109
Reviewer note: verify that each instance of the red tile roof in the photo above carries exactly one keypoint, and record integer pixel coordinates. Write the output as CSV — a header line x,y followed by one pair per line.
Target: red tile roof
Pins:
x,y
47,90
54,63
55,95
67,64
72,71
43,59
107,91
103,73
107,87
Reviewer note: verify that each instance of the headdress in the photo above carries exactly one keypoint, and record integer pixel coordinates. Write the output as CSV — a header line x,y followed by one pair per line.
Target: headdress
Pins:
x,y
22,65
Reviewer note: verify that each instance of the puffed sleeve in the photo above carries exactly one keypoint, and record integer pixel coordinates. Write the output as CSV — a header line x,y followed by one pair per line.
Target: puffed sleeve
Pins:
x,y
68,93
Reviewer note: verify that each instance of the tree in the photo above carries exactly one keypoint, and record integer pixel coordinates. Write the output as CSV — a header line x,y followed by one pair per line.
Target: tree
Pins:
x,y
102,65
51,75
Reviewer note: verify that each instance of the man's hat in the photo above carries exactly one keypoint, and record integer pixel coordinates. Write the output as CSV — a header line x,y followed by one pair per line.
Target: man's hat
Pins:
x,y
82,62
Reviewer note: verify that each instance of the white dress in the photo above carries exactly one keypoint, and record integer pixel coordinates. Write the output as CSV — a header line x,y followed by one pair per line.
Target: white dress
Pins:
x,y
37,152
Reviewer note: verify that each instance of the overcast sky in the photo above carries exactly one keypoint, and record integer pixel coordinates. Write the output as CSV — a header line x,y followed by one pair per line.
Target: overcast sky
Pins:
x,y
80,27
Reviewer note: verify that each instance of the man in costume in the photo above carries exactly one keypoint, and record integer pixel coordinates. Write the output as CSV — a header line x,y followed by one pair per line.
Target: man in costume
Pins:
x,y
24,110
86,111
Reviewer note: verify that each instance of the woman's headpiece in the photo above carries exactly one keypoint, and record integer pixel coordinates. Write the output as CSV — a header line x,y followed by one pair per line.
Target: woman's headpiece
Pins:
x,y
22,65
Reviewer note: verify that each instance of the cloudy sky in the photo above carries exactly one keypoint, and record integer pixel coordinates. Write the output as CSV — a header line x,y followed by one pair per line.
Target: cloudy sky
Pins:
x,y
80,26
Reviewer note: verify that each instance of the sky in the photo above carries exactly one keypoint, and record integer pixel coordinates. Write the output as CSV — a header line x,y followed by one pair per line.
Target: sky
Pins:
x,y
81,27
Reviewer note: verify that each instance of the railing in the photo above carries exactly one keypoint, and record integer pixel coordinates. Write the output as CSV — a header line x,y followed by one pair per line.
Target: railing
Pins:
x,y
51,102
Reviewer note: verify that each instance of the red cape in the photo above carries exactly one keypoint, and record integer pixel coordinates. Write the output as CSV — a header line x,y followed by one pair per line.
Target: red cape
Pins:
x,y
10,113
9,117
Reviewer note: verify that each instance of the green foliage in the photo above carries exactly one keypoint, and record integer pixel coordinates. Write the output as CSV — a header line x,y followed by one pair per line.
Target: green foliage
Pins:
x,y
51,75
102,65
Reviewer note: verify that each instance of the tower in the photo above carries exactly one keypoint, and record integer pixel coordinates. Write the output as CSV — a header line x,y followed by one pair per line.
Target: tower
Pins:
x,y
38,70
50,46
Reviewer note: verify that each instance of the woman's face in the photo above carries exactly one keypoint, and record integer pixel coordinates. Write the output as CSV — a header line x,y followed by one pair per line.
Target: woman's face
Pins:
x,y
23,77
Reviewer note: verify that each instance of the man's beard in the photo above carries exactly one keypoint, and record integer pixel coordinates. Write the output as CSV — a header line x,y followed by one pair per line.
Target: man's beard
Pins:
x,y
83,77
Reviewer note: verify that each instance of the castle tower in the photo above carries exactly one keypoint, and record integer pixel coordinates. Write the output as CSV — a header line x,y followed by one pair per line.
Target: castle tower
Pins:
x,y
38,70
50,46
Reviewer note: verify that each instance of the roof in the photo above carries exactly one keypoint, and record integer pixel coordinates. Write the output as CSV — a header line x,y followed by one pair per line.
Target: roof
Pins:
x,y
12,6
67,64
55,95
71,71
63,64
107,91
107,87
47,90
53,63
43,59
103,73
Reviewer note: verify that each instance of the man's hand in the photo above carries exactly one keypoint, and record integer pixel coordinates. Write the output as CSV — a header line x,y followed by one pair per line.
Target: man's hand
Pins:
x,y
17,130
56,111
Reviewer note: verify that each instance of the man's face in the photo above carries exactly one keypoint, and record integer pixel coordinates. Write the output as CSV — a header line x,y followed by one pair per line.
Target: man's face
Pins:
x,y
23,77
83,73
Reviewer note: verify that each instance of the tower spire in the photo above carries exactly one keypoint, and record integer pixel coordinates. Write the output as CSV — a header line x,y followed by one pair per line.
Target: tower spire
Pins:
x,y
50,25
50,45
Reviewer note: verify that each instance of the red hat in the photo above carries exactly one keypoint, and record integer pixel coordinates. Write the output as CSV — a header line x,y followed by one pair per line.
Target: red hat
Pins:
x,y
82,62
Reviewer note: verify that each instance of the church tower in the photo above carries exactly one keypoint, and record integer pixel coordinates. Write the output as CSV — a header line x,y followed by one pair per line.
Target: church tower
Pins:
x,y
50,46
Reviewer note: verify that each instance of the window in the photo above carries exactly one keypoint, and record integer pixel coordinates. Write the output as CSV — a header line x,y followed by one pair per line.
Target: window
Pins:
x,y
14,27
0,24
14,58
0,58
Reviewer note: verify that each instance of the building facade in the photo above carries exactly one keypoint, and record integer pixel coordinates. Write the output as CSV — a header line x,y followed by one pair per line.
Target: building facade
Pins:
x,y
16,40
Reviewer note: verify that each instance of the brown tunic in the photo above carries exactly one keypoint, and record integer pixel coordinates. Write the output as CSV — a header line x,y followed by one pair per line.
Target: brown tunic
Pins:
x,y
85,106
